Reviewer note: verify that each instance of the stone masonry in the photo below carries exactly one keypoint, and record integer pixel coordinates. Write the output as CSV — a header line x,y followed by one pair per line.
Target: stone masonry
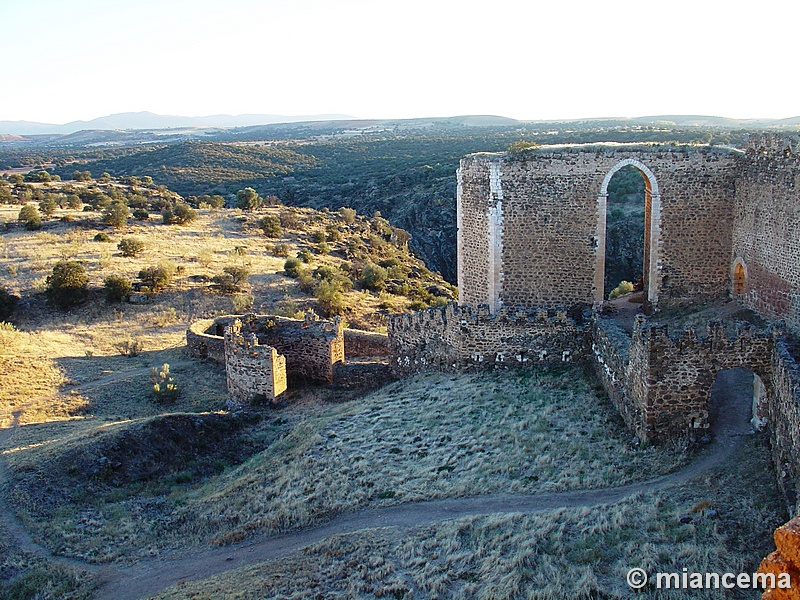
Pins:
x,y
252,370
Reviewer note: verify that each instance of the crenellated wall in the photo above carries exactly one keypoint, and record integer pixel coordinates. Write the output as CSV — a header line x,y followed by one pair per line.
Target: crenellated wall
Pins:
x,y
453,338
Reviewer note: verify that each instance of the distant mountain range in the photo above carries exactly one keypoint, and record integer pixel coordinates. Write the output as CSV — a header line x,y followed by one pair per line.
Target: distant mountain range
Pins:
x,y
148,120
139,121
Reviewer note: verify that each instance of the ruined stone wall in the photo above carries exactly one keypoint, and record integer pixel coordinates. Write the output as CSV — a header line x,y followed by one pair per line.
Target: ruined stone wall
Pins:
x,y
766,229
532,224
202,344
365,343
621,367
783,421
454,338
252,370
311,346
681,369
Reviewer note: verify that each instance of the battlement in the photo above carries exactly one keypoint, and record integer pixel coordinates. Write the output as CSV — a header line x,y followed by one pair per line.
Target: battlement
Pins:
x,y
782,144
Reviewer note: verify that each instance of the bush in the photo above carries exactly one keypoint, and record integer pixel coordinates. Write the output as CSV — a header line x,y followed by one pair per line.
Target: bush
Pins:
x,y
348,215
248,199
289,219
66,286
116,214
373,277
102,237
157,278
131,246
48,206
281,250
292,267
238,274
330,299
271,226
180,214
305,255
118,288
74,202
30,217
318,236
8,304
624,287
141,214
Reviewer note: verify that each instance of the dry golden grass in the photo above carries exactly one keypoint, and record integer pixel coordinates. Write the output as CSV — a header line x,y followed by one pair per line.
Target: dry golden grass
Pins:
x,y
576,553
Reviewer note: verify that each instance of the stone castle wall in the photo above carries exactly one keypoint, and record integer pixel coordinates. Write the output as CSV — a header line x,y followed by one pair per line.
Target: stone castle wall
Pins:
x,y
766,231
252,370
453,338
532,225
311,346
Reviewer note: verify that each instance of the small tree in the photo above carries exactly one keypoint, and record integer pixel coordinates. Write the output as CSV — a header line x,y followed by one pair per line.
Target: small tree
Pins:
x,y
183,214
48,206
373,277
248,199
118,288
131,246
348,215
270,225
82,176
292,267
66,286
158,277
30,217
238,274
116,214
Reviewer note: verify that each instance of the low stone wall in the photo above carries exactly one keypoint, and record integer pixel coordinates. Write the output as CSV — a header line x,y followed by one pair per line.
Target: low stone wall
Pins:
x,y
252,370
361,375
202,344
365,343
454,338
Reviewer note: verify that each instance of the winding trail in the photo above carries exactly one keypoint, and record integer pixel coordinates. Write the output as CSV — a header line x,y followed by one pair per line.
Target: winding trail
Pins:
x,y
151,576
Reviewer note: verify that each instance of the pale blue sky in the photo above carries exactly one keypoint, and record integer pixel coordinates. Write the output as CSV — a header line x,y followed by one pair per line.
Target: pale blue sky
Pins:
x,y
80,59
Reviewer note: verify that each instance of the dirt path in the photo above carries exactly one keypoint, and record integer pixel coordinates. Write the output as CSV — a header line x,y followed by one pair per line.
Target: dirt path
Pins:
x,y
149,577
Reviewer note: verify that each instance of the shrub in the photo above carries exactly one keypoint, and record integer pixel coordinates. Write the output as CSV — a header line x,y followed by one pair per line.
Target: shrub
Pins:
x,y
348,215
66,286
130,347
281,250
141,214
180,214
131,246
30,217
292,267
74,202
158,277
118,288
289,219
242,303
305,255
270,225
48,206
624,287
373,277
318,236
116,214
165,389
238,274
330,299
102,237
8,304
248,199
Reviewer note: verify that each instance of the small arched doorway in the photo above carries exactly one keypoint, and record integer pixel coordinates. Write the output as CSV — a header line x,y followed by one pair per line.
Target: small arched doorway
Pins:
x,y
739,278
652,217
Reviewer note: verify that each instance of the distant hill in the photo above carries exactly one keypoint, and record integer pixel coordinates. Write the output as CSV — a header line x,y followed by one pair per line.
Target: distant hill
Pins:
x,y
148,120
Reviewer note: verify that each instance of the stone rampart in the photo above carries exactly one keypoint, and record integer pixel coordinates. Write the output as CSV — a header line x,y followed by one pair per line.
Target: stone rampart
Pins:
x,y
783,420
252,370
453,338
200,343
